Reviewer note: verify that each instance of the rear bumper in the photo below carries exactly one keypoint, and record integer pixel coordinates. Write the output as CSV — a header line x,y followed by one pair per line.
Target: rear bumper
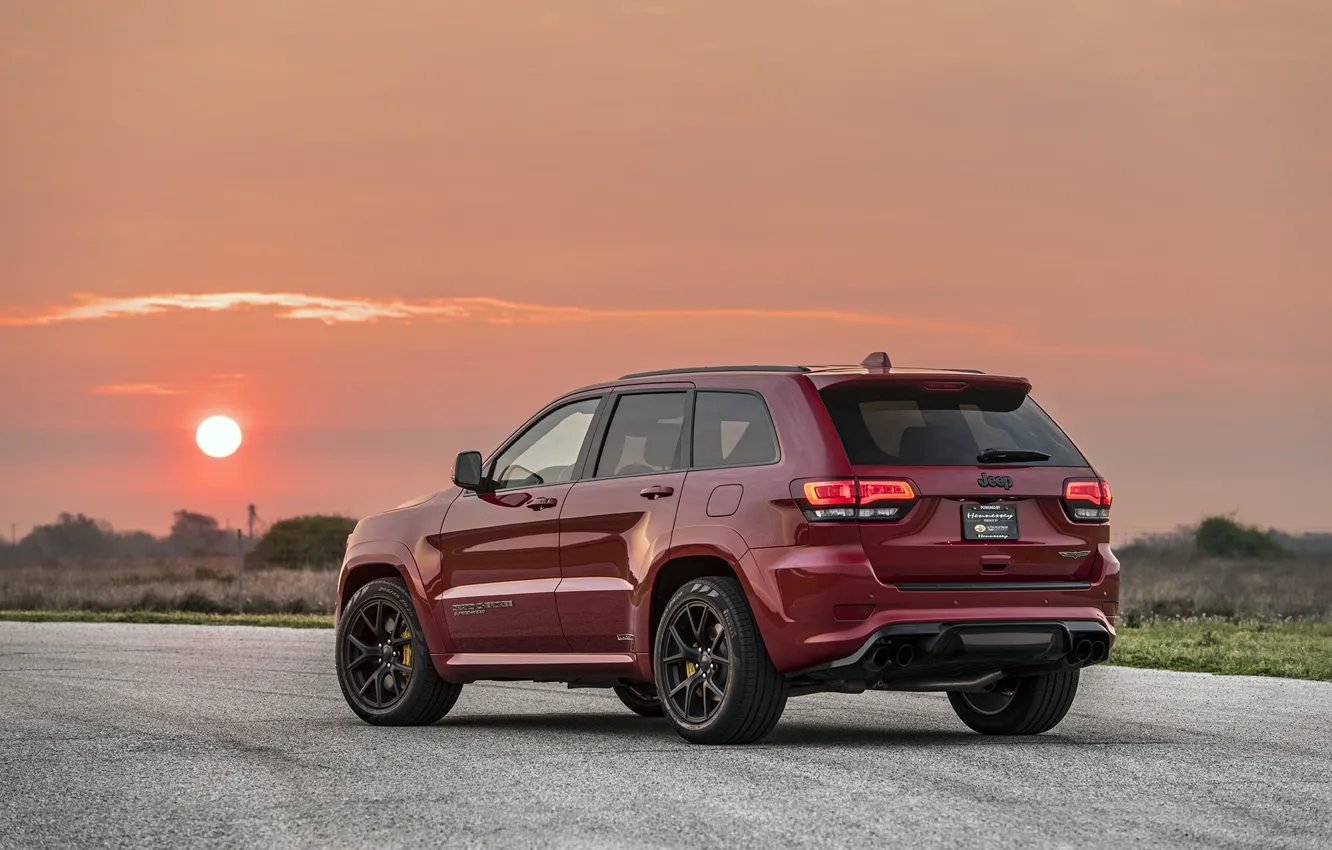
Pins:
x,y
795,591
957,656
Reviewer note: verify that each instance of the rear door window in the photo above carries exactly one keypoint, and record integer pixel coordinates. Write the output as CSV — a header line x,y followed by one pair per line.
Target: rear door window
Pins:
x,y
888,426
644,435
732,429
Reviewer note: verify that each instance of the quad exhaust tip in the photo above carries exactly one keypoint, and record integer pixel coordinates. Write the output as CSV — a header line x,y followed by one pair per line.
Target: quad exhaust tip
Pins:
x,y
890,655
1090,651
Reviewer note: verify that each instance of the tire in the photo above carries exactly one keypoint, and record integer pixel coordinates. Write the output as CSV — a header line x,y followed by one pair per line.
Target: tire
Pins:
x,y
640,699
409,692
747,692
1034,704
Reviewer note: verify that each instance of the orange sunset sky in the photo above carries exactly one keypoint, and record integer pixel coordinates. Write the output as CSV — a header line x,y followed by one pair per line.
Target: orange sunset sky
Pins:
x,y
378,234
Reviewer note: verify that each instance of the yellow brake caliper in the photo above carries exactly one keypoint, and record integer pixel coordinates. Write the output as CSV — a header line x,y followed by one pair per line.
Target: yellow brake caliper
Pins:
x,y
690,667
406,648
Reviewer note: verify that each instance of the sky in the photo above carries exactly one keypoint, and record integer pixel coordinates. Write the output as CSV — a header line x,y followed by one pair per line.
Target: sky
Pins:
x,y
380,234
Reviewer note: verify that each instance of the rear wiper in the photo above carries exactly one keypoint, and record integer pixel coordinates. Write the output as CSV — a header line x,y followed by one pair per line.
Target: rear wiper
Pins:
x,y
1011,455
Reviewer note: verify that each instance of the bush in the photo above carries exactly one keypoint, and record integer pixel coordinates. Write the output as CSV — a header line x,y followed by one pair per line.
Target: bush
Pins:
x,y
318,542
1222,537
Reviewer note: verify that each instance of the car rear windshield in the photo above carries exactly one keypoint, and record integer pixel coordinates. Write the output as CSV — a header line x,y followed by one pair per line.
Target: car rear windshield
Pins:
x,y
894,426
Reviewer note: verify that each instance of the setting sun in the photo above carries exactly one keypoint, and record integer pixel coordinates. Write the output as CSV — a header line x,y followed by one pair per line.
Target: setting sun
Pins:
x,y
219,436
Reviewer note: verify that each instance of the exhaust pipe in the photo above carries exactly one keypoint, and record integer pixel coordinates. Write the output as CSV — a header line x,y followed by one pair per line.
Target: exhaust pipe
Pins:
x,y
905,654
1099,652
880,658
1083,651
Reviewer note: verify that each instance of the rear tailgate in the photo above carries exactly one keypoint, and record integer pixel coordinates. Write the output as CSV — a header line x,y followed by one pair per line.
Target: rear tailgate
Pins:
x,y
971,521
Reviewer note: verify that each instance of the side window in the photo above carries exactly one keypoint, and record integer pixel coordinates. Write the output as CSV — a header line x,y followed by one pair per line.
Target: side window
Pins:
x,y
547,452
732,429
644,435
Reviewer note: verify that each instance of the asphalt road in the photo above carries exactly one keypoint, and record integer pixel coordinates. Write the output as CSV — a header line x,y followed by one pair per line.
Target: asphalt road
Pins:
x,y
123,735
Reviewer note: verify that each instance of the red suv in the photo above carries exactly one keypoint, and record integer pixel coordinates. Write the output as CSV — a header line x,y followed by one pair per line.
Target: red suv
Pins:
x,y
709,542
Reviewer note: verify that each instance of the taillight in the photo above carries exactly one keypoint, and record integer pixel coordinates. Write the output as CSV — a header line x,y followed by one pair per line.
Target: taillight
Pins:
x,y
855,499
1087,499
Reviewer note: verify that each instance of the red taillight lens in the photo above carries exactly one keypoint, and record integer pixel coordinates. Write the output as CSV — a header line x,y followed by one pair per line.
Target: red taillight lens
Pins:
x,y
830,492
875,491
1096,491
850,499
1093,490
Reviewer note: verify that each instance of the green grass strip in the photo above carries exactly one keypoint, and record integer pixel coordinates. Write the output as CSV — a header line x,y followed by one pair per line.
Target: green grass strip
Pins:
x,y
1297,649
290,621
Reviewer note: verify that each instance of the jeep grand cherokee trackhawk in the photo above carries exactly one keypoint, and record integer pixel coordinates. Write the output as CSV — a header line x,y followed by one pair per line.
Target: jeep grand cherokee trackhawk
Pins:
x,y
709,542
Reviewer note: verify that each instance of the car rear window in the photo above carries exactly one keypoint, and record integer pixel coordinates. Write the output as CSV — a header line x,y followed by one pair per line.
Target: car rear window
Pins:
x,y
893,426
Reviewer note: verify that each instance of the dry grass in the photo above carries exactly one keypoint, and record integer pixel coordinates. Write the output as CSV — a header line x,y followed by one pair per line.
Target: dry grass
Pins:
x,y
201,585
1159,584
1155,585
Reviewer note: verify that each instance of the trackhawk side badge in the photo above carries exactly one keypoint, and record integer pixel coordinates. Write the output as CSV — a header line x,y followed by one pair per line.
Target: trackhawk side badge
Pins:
x,y
467,609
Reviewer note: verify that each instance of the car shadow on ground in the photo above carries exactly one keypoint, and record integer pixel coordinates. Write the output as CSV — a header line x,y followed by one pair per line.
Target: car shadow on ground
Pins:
x,y
796,733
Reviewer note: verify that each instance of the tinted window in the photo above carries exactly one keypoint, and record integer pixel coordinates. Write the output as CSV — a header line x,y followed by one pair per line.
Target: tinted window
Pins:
x,y
644,435
886,426
732,429
547,452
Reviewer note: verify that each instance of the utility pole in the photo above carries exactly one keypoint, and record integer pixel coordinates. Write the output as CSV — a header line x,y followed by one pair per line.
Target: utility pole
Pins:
x,y
240,573
251,526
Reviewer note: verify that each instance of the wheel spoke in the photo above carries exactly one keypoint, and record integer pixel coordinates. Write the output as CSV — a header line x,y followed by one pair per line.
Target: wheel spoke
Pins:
x,y
379,686
364,658
399,667
402,641
365,618
352,639
689,652
366,684
709,685
683,685
698,626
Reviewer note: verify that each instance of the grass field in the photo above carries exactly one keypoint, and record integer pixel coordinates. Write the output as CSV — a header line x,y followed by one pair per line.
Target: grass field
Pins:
x,y
202,585
1300,649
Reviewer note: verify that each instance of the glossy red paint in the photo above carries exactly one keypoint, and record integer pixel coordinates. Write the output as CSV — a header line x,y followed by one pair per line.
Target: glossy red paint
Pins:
x,y
567,592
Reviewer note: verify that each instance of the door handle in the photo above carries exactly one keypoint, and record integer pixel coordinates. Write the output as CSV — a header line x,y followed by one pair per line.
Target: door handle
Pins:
x,y
541,503
656,492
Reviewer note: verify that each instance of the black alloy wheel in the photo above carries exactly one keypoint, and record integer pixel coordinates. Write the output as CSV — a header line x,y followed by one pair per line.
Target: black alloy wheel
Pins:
x,y
640,699
993,699
383,660
378,646
714,677
697,661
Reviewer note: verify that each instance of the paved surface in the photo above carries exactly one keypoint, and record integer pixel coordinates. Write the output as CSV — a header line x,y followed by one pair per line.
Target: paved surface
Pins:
x,y
123,735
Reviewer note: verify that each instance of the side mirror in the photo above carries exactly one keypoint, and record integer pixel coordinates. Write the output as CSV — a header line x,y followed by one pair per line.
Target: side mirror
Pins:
x,y
467,471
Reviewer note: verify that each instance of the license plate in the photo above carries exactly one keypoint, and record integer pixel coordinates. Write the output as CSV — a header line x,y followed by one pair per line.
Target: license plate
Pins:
x,y
989,522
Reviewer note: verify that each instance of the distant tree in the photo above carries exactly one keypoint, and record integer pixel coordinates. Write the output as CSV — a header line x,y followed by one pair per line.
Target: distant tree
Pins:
x,y
197,534
70,536
309,541
1222,537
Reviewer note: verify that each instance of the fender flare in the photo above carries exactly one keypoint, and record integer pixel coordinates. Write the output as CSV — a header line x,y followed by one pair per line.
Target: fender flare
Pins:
x,y
398,556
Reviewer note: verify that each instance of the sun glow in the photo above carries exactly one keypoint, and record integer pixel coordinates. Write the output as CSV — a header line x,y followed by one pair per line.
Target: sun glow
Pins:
x,y
218,436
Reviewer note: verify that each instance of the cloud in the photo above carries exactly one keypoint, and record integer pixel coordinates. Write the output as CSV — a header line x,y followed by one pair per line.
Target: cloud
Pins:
x,y
133,389
353,311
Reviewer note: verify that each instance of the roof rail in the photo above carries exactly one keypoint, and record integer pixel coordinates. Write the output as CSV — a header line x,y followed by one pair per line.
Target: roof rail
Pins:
x,y
968,371
686,371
